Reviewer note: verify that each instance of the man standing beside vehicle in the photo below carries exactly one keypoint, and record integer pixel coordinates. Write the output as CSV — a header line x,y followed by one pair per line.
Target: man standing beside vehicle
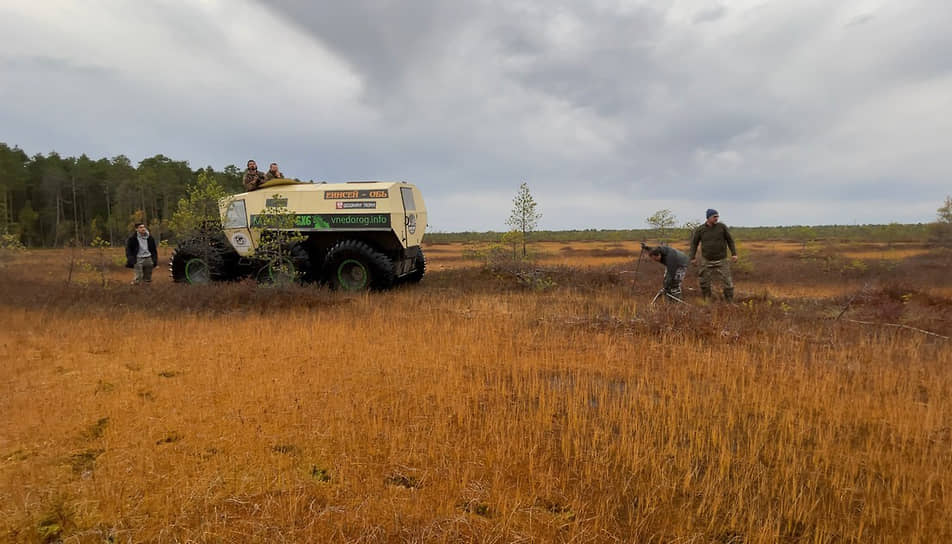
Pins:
x,y
141,254
715,239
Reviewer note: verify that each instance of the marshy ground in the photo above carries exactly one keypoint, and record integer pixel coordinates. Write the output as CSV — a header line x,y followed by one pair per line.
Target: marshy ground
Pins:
x,y
546,402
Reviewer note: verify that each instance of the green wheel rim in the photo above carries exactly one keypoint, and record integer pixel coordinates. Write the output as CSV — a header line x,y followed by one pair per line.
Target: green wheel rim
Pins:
x,y
352,275
197,271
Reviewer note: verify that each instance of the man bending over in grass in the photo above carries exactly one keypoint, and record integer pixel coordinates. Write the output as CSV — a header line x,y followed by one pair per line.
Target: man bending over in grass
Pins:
x,y
675,268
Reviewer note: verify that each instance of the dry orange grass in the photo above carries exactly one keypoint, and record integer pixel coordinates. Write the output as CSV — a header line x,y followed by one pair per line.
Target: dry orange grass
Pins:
x,y
461,410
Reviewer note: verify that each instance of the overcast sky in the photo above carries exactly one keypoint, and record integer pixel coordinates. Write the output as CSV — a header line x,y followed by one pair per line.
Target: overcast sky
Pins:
x,y
775,112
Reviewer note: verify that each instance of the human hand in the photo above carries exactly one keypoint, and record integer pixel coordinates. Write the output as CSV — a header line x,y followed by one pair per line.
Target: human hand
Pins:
x,y
694,261
734,258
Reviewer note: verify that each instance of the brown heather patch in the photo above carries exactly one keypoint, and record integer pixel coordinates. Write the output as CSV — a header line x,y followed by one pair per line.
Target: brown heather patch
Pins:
x,y
474,408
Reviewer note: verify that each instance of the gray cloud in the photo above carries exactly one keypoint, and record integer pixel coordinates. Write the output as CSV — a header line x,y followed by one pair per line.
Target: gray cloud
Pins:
x,y
759,109
710,14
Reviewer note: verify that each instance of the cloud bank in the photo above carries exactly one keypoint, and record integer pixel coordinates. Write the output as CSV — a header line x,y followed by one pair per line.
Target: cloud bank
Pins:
x,y
772,112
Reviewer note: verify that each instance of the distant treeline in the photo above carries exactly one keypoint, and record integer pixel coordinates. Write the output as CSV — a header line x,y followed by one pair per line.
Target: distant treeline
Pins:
x,y
858,233
51,200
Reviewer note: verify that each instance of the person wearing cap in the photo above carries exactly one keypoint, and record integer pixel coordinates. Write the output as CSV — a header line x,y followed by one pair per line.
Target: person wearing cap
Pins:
x,y
715,240
675,268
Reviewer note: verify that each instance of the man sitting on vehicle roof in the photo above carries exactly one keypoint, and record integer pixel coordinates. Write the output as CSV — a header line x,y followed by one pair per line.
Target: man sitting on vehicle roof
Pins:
x,y
273,172
253,178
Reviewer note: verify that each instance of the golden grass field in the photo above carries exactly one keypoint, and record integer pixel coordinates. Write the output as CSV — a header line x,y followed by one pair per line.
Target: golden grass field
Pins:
x,y
472,408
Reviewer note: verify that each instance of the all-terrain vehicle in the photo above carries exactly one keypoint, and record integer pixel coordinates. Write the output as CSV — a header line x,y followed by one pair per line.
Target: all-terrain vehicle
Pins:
x,y
351,236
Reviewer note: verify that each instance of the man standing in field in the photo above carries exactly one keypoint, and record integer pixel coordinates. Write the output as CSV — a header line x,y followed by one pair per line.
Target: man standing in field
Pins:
x,y
141,254
715,240
253,178
675,268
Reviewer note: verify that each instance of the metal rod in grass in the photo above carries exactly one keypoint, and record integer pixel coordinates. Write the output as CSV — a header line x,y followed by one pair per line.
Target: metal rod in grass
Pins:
x,y
669,295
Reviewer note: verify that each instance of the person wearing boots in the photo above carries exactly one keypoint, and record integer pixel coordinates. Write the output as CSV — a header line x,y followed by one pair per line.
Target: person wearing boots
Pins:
x,y
675,268
715,239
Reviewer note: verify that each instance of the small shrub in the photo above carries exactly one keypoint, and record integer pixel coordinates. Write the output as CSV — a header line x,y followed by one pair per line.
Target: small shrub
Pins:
x,y
403,480
97,429
170,438
476,507
320,474
84,461
56,520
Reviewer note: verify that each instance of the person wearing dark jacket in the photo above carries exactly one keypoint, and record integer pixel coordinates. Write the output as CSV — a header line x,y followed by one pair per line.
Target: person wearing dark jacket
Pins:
x,y
715,239
141,254
675,268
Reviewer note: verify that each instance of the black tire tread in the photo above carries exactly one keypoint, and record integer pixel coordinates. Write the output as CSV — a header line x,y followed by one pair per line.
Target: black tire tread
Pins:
x,y
419,269
378,265
221,258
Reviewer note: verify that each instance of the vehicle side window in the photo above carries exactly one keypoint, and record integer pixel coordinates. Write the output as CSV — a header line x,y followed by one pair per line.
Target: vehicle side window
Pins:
x,y
235,217
407,194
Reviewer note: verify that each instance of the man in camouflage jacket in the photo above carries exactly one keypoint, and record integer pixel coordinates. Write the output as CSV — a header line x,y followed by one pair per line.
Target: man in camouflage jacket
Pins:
x,y
253,178
273,172
715,239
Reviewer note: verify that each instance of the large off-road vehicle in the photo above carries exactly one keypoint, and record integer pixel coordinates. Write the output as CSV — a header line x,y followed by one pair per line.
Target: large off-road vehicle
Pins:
x,y
352,236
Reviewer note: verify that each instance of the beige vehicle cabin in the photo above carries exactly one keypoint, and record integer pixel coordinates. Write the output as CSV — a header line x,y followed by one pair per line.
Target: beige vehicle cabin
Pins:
x,y
352,236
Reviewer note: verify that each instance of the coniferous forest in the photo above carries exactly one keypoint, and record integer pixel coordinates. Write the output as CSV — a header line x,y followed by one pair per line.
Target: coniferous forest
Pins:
x,y
51,200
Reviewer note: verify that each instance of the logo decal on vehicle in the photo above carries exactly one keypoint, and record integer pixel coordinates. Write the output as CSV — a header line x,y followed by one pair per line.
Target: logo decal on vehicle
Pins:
x,y
411,223
239,240
317,221
359,205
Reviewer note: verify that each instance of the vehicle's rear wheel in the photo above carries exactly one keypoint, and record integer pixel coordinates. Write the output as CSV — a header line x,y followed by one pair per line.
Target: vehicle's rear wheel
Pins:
x,y
354,266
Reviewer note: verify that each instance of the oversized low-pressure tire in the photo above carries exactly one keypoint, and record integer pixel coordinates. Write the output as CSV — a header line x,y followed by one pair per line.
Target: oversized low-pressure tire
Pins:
x,y
188,268
352,265
419,269
204,259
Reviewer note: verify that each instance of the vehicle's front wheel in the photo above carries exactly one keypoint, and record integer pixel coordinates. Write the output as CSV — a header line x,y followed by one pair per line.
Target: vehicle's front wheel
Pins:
x,y
188,268
204,258
354,266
